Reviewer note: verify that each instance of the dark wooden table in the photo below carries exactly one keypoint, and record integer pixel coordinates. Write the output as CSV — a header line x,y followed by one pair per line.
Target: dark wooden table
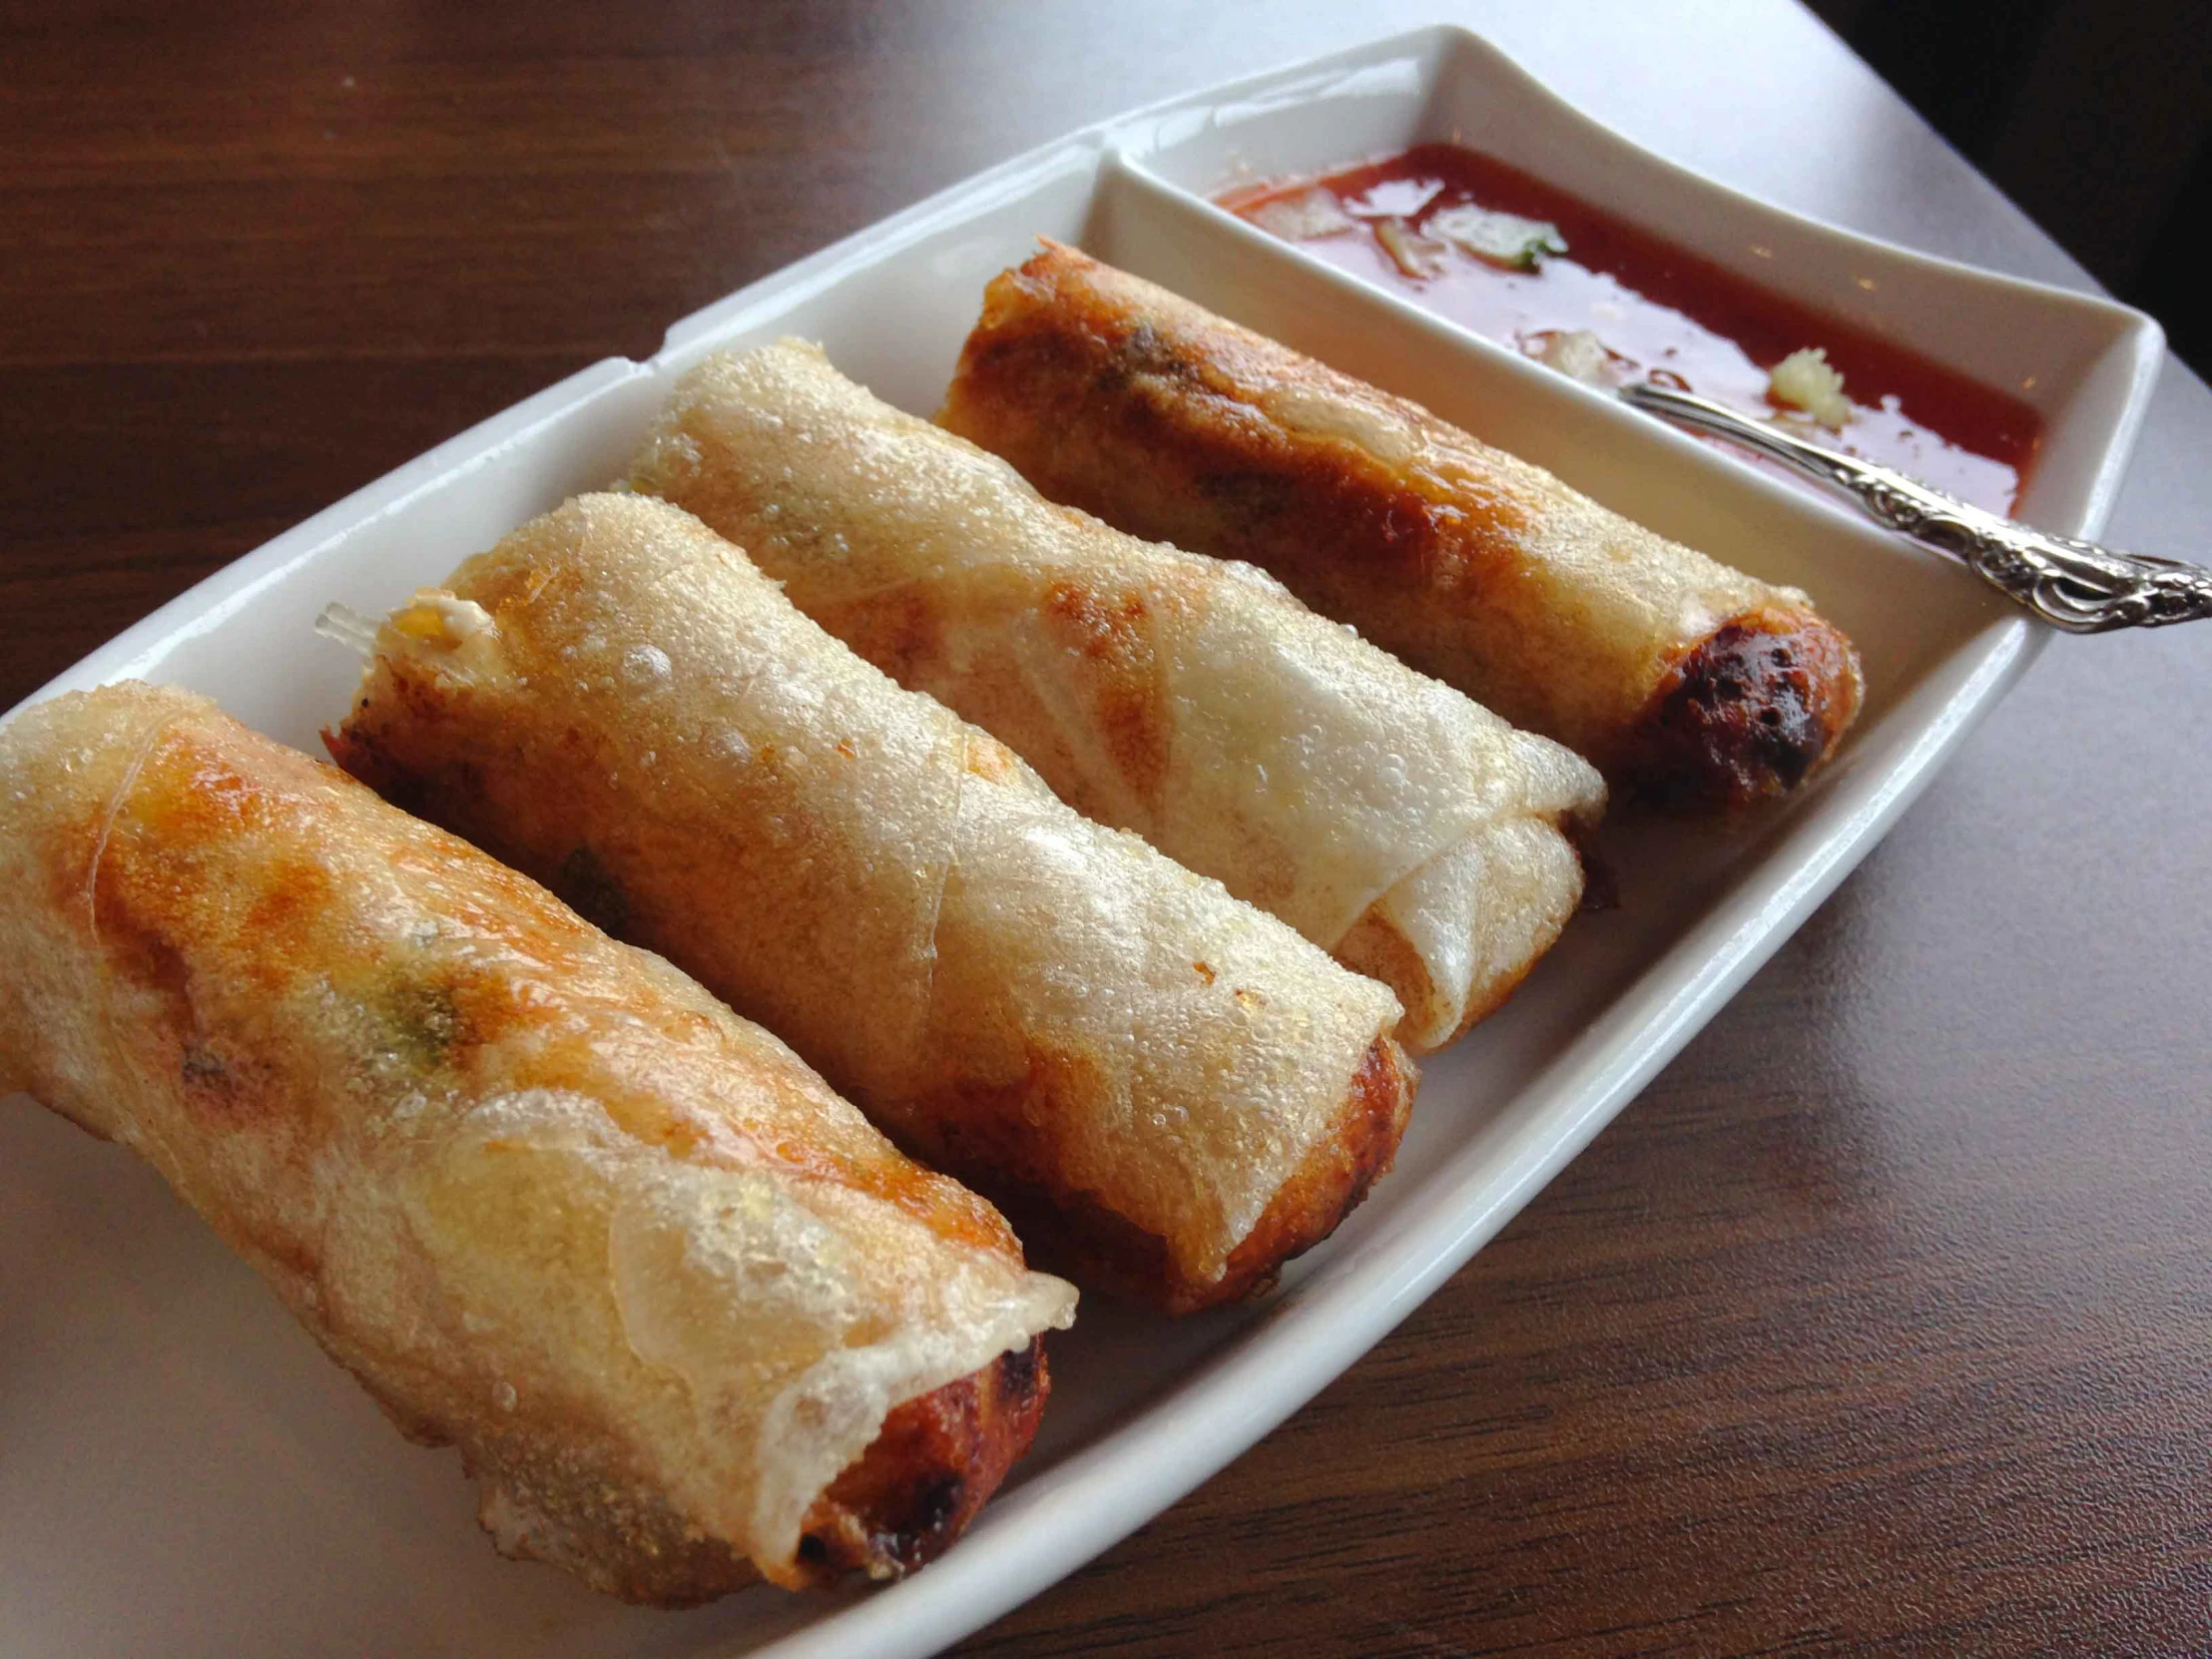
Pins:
x,y
1881,1323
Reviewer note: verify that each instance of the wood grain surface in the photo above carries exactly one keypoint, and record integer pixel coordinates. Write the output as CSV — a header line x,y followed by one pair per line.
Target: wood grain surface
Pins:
x,y
1881,1323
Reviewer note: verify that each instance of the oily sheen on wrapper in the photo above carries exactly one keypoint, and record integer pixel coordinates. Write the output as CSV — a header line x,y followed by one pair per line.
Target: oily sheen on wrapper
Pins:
x,y
1683,679
1172,1088
1385,817
541,1194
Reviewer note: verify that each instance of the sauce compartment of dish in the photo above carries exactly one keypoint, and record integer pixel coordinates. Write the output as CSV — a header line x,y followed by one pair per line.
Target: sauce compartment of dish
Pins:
x,y
2078,362
1520,261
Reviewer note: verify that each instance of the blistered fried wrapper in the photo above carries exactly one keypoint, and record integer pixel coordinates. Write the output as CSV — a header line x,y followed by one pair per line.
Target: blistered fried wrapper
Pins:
x,y
1388,817
542,1194
1177,1086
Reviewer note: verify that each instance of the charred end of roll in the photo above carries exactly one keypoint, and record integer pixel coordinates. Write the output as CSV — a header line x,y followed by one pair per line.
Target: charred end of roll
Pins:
x,y
938,1457
1745,713
899,1505
1333,1181
1101,1249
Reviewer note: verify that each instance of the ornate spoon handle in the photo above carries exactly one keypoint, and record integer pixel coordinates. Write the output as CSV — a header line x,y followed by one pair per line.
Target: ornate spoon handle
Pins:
x,y
2074,585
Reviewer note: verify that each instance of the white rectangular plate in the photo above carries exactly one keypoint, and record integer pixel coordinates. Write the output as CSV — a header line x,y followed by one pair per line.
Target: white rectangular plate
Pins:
x,y
181,1472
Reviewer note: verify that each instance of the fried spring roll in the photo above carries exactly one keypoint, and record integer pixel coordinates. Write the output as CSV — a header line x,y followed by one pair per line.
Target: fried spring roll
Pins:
x,y
1685,681
1393,822
687,1315
1173,1088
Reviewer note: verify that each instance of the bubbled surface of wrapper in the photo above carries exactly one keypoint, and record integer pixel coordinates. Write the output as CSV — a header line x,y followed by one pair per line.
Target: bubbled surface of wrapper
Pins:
x,y
1191,700
543,1195
885,885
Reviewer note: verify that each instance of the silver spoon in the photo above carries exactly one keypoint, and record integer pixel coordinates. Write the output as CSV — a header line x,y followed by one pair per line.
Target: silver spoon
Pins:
x,y
2074,585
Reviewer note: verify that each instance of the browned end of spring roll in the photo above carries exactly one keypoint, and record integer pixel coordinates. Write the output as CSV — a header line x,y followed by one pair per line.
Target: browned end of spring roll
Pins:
x,y
899,1506
1113,395
1099,1247
1748,711
1336,1175
939,1458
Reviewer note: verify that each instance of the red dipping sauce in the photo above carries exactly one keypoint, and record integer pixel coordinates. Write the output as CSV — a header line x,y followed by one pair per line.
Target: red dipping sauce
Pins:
x,y
1659,311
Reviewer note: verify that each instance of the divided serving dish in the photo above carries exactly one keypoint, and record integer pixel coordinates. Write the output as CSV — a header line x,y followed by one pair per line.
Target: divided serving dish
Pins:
x,y
159,1409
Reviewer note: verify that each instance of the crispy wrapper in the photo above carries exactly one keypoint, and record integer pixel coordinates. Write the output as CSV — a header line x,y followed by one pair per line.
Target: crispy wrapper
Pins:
x,y
1398,825
687,1316
1685,681
1171,1089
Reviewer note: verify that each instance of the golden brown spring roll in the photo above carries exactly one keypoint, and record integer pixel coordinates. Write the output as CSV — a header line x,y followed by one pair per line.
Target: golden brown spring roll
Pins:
x,y
1171,1088
1395,824
1685,681
687,1315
